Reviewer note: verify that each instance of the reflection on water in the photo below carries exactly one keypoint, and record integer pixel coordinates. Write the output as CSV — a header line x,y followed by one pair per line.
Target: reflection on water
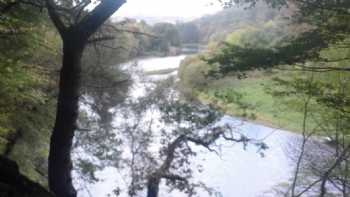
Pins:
x,y
234,171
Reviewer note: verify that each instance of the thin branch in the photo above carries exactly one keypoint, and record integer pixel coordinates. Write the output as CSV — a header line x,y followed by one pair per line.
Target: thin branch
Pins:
x,y
100,39
326,68
175,177
113,85
131,31
111,47
305,139
308,188
337,162
202,143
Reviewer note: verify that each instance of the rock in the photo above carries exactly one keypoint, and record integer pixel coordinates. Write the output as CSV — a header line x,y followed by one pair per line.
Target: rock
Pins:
x,y
14,184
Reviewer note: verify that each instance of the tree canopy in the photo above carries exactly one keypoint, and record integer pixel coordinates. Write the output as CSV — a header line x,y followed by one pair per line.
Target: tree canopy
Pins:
x,y
325,25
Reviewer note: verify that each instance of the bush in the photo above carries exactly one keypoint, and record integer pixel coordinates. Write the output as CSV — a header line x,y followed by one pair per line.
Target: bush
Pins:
x,y
193,73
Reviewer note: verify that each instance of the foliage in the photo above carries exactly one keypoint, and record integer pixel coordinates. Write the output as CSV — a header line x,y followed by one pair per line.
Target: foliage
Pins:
x,y
188,32
252,48
236,58
325,25
167,36
214,28
192,74
310,94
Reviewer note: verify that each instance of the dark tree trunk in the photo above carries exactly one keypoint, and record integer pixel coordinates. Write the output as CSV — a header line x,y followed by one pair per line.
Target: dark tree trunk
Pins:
x,y
153,187
74,38
60,164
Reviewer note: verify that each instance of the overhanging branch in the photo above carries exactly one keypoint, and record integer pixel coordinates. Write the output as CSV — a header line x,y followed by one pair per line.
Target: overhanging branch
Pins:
x,y
92,21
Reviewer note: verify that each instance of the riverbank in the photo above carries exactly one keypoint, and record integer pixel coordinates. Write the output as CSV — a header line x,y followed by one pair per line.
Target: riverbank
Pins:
x,y
254,105
249,100
246,98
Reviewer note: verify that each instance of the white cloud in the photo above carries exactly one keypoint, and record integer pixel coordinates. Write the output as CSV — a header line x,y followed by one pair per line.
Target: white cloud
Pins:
x,y
168,8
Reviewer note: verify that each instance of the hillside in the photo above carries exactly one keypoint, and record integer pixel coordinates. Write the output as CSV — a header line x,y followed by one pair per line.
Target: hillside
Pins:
x,y
215,27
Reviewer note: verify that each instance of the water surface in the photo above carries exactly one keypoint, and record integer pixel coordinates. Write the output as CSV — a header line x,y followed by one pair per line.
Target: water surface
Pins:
x,y
235,171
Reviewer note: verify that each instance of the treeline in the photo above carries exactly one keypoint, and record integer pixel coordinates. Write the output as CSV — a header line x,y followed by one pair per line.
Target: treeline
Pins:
x,y
216,27
247,28
133,38
140,39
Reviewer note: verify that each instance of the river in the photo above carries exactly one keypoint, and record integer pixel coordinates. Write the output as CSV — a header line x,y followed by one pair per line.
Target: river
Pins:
x,y
235,172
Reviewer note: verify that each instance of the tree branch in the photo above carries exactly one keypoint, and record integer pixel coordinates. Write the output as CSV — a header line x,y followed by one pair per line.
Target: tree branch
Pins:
x,y
324,68
111,47
131,31
91,22
113,85
101,38
175,177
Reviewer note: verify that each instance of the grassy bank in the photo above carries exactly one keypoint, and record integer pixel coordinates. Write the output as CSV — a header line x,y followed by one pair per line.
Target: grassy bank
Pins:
x,y
258,97
248,99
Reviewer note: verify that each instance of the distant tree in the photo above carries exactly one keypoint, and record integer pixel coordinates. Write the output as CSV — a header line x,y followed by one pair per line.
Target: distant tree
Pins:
x,y
215,27
189,32
167,34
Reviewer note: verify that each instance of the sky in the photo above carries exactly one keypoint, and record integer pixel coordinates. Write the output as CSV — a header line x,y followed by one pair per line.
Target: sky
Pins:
x,y
187,9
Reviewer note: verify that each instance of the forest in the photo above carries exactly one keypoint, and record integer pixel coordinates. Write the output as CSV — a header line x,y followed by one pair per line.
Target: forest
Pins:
x,y
250,101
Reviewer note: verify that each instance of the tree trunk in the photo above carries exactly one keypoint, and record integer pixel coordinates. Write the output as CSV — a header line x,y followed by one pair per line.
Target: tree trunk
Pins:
x,y
60,164
74,37
153,187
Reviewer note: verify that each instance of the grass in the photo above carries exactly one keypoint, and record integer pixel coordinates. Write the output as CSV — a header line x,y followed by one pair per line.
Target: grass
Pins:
x,y
248,99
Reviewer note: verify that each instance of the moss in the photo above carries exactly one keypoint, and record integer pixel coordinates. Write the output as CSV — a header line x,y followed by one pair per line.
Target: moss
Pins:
x,y
3,145
6,135
32,147
31,153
